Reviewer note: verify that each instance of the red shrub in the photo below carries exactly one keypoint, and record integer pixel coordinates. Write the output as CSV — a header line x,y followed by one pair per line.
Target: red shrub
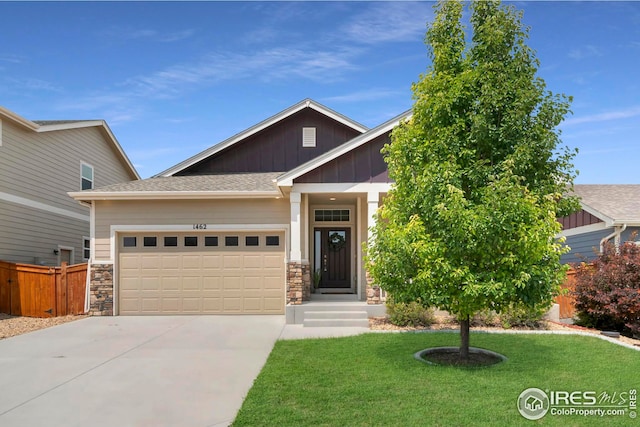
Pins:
x,y
607,292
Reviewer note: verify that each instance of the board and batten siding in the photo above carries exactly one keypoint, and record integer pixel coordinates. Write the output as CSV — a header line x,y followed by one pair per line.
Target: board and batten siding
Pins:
x,y
39,168
182,212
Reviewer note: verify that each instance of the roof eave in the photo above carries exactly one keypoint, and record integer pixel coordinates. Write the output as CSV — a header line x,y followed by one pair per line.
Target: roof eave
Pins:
x,y
171,195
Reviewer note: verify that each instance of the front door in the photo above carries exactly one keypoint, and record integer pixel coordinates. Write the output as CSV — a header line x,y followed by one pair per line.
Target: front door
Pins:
x,y
335,255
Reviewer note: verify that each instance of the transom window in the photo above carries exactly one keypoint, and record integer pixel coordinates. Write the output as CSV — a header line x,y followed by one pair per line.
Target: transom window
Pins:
x,y
86,176
332,215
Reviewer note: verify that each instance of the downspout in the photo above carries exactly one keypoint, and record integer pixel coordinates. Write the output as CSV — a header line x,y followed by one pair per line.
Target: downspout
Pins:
x,y
616,234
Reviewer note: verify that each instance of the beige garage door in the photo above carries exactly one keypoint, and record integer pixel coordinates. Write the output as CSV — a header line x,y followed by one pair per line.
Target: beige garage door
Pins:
x,y
212,273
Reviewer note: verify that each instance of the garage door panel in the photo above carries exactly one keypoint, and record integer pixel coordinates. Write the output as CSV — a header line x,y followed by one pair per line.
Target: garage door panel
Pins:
x,y
232,262
155,280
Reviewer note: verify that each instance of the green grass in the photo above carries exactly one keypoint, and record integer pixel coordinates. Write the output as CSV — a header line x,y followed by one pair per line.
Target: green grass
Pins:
x,y
373,380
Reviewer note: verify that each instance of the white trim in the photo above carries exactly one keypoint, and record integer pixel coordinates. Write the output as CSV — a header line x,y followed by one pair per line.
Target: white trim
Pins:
x,y
296,228
0,132
286,180
42,206
307,103
359,260
607,219
173,195
583,229
345,187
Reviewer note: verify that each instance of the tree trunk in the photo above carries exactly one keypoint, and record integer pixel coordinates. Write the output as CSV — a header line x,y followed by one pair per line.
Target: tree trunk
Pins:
x,y
464,338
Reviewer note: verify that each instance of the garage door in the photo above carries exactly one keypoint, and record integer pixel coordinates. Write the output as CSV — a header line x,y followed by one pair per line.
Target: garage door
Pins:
x,y
224,273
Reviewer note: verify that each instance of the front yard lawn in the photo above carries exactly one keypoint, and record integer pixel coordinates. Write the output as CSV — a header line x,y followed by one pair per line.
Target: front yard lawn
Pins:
x,y
373,380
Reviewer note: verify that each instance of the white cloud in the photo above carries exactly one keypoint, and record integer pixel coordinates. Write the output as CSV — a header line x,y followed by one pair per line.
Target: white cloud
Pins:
x,y
364,95
390,22
148,34
588,51
604,117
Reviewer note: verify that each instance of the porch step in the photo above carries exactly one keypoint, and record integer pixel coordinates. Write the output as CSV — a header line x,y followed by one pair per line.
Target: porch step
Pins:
x,y
333,318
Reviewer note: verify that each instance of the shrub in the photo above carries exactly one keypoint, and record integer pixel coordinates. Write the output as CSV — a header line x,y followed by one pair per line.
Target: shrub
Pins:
x,y
516,316
607,292
520,316
409,314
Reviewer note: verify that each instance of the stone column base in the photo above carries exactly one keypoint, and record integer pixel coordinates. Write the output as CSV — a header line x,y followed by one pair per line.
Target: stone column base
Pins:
x,y
298,283
101,290
373,291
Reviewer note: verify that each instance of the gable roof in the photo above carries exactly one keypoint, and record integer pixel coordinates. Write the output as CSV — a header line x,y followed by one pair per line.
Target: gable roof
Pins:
x,y
243,185
306,103
286,180
40,126
615,204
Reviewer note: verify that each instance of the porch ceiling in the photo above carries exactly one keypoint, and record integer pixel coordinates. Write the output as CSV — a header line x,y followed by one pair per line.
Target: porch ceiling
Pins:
x,y
339,198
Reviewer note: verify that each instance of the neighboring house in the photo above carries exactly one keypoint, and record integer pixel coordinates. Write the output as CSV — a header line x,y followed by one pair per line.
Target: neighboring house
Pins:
x,y
40,162
609,213
242,226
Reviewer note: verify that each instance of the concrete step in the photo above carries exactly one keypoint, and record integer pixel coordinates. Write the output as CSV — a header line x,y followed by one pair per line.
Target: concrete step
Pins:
x,y
363,323
325,314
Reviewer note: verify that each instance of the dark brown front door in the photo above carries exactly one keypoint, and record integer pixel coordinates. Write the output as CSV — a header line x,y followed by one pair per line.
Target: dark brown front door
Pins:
x,y
335,256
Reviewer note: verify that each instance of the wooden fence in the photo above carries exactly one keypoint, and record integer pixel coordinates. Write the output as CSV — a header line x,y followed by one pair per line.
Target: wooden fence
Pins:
x,y
37,291
567,308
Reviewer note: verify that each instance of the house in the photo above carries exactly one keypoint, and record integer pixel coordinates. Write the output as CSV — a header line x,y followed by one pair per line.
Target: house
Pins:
x,y
40,161
610,213
243,226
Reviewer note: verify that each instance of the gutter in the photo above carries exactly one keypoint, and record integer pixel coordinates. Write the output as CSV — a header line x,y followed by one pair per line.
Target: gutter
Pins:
x,y
616,234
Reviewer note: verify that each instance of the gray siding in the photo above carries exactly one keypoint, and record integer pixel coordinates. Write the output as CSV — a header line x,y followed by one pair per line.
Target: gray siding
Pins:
x,y
30,235
586,246
41,168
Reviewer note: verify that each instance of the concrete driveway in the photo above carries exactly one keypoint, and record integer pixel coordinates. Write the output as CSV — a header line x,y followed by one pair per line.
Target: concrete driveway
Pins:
x,y
134,371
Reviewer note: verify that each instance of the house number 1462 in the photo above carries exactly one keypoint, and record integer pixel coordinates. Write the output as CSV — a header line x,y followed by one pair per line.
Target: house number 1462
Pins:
x,y
199,226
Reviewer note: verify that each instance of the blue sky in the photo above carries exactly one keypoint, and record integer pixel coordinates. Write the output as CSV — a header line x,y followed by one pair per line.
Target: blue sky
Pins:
x,y
172,79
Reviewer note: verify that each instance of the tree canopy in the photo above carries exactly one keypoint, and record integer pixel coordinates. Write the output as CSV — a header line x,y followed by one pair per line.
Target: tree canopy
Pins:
x,y
479,173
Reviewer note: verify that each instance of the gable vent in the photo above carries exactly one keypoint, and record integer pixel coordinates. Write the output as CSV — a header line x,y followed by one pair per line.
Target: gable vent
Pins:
x,y
308,137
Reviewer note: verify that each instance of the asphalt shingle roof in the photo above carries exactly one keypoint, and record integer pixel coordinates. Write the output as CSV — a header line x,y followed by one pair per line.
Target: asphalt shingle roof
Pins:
x,y
238,182
617,201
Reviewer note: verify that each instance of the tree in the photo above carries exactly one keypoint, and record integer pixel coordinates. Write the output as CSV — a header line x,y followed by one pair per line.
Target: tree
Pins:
x,y
479,173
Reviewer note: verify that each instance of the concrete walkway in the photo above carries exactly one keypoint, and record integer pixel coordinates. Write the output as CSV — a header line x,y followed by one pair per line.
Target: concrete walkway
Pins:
x,y
139,371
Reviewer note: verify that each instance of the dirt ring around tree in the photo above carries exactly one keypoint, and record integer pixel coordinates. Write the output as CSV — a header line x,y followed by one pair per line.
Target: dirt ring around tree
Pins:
x,y
450,356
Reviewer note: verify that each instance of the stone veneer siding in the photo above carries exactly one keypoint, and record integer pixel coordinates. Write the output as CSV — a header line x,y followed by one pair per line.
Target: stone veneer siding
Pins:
x,y
298,283
101,290
373,291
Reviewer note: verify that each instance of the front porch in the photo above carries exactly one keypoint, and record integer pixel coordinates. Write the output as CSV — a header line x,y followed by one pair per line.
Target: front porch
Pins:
x,y
331,310
329,230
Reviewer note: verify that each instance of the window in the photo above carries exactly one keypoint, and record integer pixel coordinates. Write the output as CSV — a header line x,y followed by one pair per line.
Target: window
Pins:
x,y
251,241
171,241
273,241
86,248
191,241
86,176
331,215
150,241
309,137
129,242
211,240
231,241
